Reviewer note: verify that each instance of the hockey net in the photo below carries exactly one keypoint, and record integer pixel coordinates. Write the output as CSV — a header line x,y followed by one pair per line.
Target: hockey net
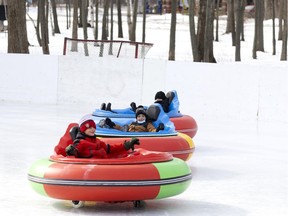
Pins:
x,y
101,48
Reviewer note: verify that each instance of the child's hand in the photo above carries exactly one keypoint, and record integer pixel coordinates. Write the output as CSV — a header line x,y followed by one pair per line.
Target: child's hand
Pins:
x,y
130,144
160,127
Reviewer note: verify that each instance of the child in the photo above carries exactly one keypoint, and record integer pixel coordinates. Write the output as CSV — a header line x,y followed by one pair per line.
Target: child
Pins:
x,y
161,98
86,145
140,125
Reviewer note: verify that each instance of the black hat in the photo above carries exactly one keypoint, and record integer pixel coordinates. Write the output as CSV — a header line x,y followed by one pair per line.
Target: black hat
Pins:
x,y
140,110
160,95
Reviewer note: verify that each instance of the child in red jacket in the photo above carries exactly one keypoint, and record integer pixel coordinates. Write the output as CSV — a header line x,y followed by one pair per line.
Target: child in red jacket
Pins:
x,y
86,145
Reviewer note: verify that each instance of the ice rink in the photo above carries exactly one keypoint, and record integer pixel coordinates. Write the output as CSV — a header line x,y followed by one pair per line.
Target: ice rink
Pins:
x,y
238,168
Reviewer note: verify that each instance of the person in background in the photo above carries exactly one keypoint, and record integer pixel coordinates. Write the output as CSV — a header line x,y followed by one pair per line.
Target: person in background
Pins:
x,y
161,98
141,124
86,145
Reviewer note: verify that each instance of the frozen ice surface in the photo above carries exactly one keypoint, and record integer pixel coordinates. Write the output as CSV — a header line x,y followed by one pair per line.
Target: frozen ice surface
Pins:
x,y
239,168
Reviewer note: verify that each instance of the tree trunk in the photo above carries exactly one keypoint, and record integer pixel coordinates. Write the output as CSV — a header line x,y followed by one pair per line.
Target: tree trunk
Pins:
x,y
43,19
173,30
144,21
208,38
68,14
119,15
239,27
91,13
233,34
84,25
17,31
229,16
268,9
281,15
201,29
273,28
205,39
129,21
284,38
217,20
96,20
111,29
259,20
104,20
55,17
134,22
193,37
74,47
258,44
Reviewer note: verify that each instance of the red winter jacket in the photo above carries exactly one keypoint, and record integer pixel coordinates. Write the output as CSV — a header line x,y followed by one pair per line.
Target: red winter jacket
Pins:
x,y
92,147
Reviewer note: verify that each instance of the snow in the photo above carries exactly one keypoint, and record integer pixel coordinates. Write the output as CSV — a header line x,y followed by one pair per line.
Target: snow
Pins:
x,y
239,167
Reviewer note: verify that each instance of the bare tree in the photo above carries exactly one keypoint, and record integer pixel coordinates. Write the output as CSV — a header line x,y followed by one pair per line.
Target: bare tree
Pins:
x,y
75,25
91,12
84,14
119,15
217,20
273,28
284,37
258,44
239,28
68,14
129,21
203,38
42,21
208,36
110,52
55,17
281,15
193,37
233,33
104,20
134,21
96,20
230,9
17,31
144,21
111,20
172,30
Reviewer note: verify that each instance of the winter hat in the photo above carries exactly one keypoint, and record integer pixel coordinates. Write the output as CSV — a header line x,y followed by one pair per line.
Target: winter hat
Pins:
x,y
87,124
160,95
140,110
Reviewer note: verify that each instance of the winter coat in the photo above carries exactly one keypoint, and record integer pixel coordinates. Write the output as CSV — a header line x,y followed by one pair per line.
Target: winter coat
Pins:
x,y
164,103
143,127
92,147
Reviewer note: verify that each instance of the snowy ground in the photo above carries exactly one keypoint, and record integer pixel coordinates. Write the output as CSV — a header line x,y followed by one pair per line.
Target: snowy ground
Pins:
x,y
238,169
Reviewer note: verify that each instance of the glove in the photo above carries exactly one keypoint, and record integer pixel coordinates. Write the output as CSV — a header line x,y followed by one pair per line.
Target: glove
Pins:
x,y
160,127
130,144
71,150
133,106
109,122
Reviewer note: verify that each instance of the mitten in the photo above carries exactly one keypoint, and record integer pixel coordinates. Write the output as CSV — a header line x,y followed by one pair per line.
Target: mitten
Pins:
x,y
71,150
160,127
109,122
130,144
133,106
